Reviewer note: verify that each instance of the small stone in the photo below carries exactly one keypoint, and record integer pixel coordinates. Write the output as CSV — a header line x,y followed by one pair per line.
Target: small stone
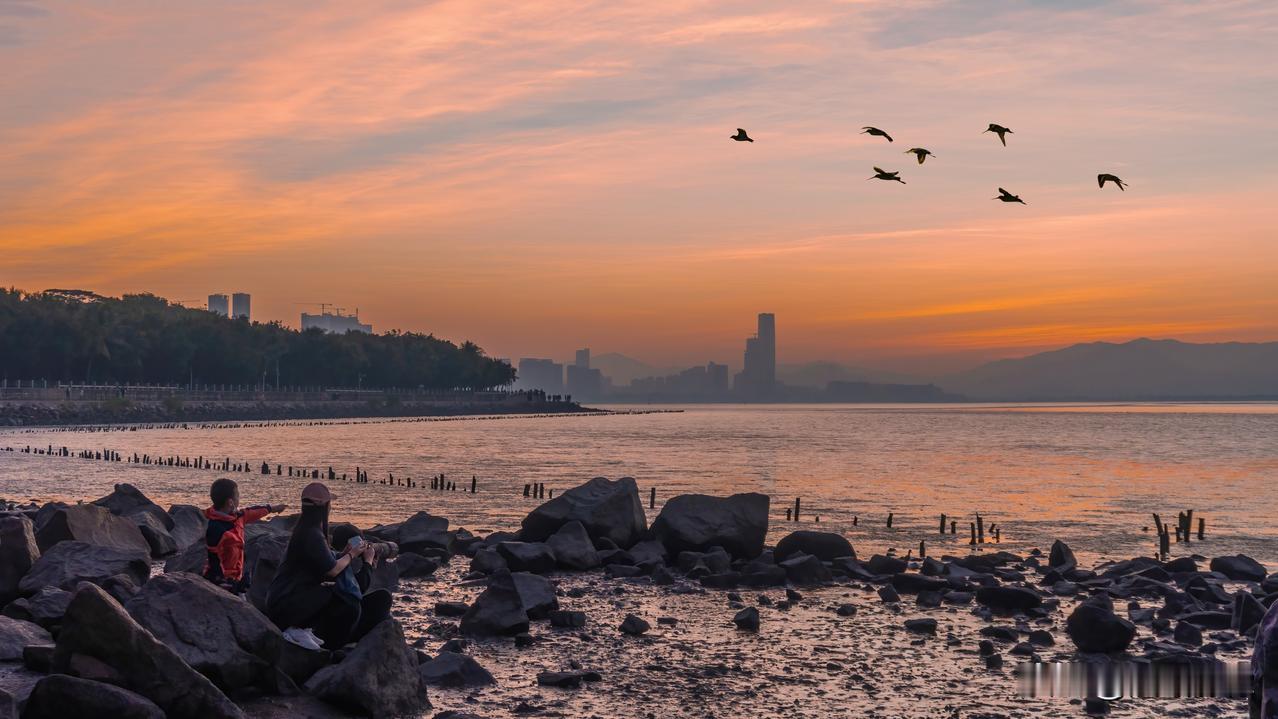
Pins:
x,y
846,610
921,626
634,626
747,619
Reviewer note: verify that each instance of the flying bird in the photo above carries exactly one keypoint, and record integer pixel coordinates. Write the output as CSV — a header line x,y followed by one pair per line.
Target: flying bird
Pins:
x,y
1105,176
741,136
1006,196
1001,131
881,174
920,153
875,132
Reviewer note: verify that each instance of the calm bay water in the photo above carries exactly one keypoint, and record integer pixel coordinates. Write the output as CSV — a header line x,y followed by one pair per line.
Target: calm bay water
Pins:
x,y
1088,474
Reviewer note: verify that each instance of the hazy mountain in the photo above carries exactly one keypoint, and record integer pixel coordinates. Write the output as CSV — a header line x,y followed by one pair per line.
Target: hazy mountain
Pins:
x,y
819,374
1140,369
623,369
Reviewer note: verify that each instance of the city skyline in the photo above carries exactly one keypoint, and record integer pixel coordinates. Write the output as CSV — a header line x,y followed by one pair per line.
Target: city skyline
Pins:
x,y
588,193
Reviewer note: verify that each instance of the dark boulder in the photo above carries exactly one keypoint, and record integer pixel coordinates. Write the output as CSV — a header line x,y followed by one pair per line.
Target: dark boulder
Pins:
x,y
1247,612
98,629
221,636
189,525
1008,600
880,564
45,607
1239,567
606,508
18,551
508,603
162,543
450,669
572,547
697,522
379,677
921,626
915,583
563,680
536,594
451,609
127,501
488,561
825,546
527,556
424,531
1209,620
90,524
16,635
60,696
66,564
191,559
1061,557
634,625
1187,634
412,565
648,552
262,557
1094,627
1181,564
567,619
747,619
806,569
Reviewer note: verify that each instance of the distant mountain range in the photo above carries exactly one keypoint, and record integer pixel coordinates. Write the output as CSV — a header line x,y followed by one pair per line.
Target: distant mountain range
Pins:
x,y
1142,369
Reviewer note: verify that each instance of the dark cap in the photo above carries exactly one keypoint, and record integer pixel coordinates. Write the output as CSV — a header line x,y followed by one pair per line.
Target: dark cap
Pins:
x,y
316,493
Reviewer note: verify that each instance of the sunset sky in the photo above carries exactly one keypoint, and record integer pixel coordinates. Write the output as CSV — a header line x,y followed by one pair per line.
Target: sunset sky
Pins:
x,y
541,176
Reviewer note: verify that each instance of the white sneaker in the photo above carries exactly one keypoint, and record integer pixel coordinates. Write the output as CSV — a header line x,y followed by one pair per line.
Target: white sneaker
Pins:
x,y
303,637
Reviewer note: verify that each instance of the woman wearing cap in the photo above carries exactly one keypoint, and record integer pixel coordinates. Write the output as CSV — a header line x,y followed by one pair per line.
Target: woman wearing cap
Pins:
x,y
303,599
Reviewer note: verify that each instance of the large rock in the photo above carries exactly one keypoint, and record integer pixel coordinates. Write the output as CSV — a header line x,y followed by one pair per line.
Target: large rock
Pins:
x,y
97,629
822,545
191,559
262,557
1239,567
91,524
1008,600
379,677
412,565
128,501
18,551
915,583
572,547
45,607
1061,558
221,636
509,602
527,556
607,509
67,564
16,635
1094,627
189,525
60,696
455,670
805,569
427,534
162,543
697,522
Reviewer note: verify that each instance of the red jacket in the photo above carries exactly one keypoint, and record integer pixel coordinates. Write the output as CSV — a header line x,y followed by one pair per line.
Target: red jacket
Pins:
x,y
224,539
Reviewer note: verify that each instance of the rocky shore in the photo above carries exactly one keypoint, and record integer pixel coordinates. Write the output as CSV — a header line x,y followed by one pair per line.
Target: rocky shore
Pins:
x,y
590,610
43,413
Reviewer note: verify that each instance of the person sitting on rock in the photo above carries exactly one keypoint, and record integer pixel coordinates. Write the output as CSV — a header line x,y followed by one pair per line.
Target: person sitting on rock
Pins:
x,y
312,598
224,537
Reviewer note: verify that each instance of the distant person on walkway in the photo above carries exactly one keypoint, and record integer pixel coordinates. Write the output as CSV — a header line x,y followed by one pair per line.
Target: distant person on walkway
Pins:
x,y
318,596
224,537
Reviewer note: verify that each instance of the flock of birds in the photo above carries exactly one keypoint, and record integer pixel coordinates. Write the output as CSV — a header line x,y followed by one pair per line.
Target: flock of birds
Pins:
x,y
923,153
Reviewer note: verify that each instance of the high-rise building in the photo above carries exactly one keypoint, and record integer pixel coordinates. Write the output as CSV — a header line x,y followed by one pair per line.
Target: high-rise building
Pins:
x,y
758,377
220,305
717,378
240,302
335,323
583,358
543,374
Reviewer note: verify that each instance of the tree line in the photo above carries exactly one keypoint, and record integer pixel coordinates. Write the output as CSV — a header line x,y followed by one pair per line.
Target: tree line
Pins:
x,y
79,336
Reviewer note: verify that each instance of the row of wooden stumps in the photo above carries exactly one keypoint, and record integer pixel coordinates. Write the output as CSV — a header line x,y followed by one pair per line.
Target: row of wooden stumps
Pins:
x,y
792,514
1184,530
977,529
537,490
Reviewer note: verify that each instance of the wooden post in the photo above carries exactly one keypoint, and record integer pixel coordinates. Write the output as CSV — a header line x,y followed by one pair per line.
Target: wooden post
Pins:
x,y
788,513
953,527
1189,523
942,522
652,498
1202,527
474,483
854,520
922,549
980,530
1164,543
889,522
796,508
527,488
973,540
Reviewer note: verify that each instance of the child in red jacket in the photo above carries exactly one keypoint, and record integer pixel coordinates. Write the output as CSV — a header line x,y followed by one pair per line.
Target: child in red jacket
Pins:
x,y
224,537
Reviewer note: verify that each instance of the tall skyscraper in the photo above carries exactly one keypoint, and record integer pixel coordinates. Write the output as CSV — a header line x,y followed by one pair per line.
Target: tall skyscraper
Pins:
x,y
220,305
583,358
240,305
758,377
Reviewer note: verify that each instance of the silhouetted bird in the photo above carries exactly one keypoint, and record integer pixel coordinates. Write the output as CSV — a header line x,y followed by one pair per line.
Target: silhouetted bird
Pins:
x,y
1006,196
1002,132
920,153
881,174
876,132
1101,178
741,136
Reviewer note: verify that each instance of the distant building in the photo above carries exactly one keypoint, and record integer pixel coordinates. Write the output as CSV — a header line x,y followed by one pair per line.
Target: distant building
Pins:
x,y
717,378
758,378
220,305
240,305
708,383
335,323
584,382
583,358
543,374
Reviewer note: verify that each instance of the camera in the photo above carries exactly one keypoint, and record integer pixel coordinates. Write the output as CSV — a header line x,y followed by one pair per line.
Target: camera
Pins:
x,y
381,550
